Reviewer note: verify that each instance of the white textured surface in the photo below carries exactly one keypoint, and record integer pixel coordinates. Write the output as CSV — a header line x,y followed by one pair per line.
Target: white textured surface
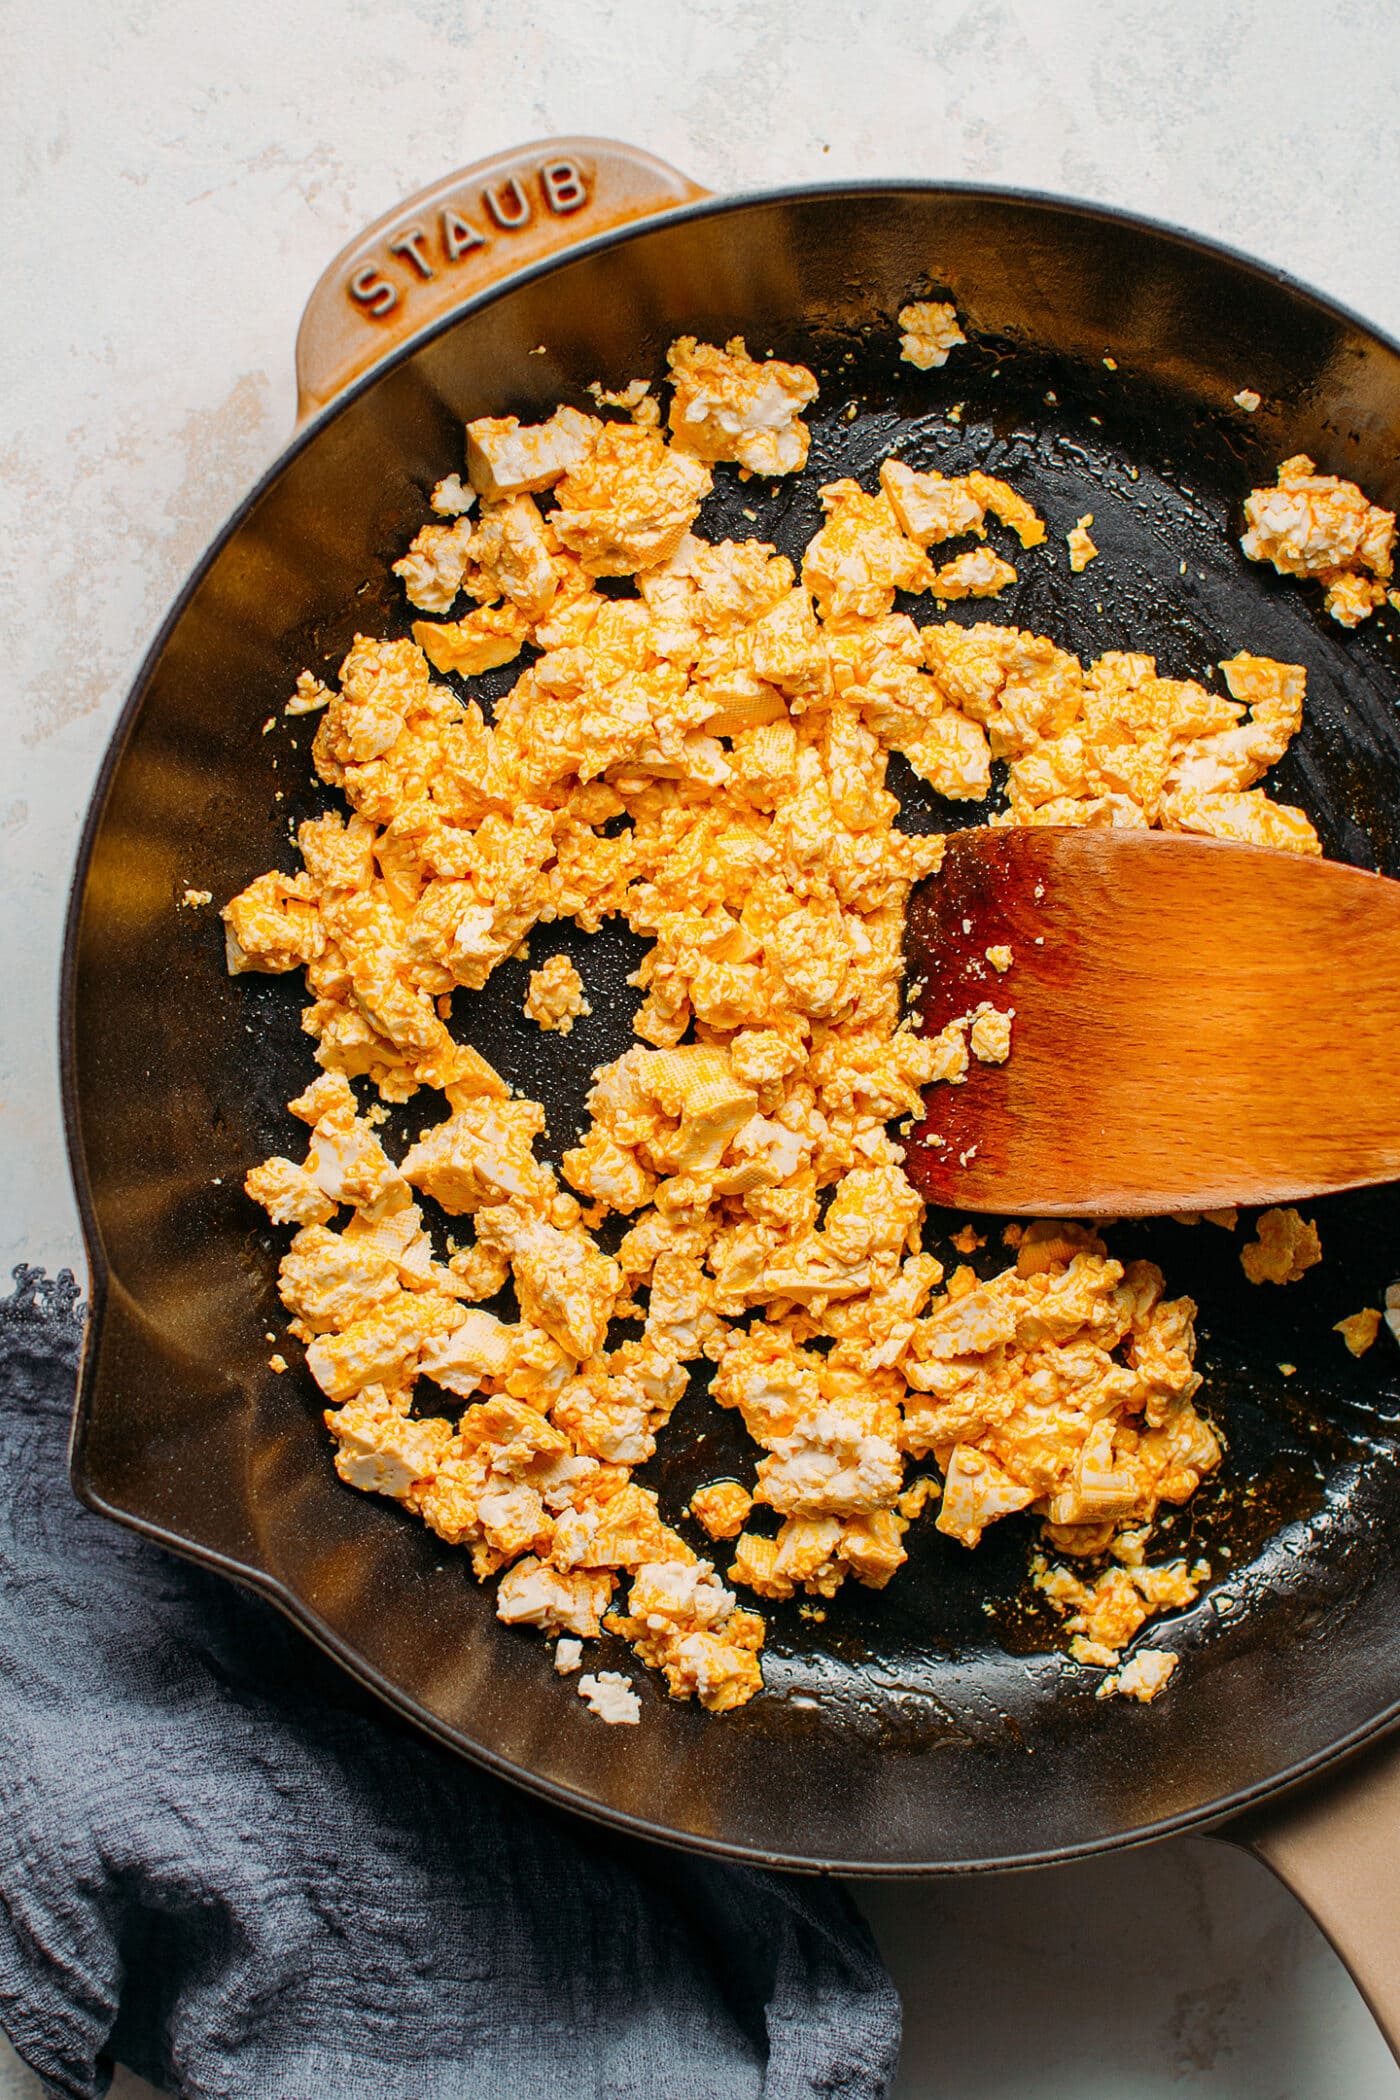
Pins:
x,y
181,172
1180,1973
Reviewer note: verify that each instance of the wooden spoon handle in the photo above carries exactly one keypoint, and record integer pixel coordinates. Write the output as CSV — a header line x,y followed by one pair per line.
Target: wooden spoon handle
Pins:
x,y
1335,1842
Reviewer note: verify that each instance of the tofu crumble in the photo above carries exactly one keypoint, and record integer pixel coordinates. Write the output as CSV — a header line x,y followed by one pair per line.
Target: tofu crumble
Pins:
x,y
1286,1246
703,753
555,999
1081,548
930,331
610,1696
1317,526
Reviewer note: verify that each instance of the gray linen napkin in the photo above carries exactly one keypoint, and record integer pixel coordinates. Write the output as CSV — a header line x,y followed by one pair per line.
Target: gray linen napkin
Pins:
x,y
222,1864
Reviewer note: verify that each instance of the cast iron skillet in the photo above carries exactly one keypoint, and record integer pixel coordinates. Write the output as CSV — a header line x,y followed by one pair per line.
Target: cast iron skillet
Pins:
x,y
933,1728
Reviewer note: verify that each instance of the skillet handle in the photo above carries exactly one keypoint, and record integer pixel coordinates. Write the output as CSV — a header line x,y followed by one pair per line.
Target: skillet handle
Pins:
x,y
1335,1842
466,233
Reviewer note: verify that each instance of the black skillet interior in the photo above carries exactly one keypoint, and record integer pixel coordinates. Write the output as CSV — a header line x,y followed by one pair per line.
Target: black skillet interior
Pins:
x,y
936,1724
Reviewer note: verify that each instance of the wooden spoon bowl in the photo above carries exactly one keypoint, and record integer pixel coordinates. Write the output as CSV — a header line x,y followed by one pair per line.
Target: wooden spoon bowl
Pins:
x,y
1196,1024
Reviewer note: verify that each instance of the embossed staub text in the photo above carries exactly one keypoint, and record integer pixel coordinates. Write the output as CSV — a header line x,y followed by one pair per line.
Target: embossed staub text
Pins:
x,y
462,227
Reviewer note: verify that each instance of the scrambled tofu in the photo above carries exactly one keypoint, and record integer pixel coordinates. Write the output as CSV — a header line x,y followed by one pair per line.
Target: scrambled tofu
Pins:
x,y
1065,1384
1114,744
721,1509
727,405
555,998
628,502
977,574
701,748
1391,1315
451,498
1141,1678
1359,1329
990,1036
683,1622
1318,526
931,508
310,697
1104,1616
1081,548
636,397
930,331
1286,1248
610,1696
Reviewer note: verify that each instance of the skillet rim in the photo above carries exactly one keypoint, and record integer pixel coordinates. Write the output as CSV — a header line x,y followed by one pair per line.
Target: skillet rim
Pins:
x,y
1203,1819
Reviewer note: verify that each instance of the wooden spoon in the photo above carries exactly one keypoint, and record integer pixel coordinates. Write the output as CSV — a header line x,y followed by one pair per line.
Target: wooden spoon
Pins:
x,y
1197,1024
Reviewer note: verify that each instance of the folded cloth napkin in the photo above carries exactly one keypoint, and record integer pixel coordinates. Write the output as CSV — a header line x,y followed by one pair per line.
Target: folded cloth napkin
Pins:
x,y
224,1865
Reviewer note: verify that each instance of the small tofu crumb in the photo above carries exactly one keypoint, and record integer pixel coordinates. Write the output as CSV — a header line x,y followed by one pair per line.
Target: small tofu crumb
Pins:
x,y
1286,1248
1000,959
721,1508
980,573
452,498
1289,1370
1104,1615
967,1240
990,1039
930,331
1081,548
919,1492
311,694
1359,1329
1247,399
1351,598
1317,525
277,1362
633,396
1392,1309
555,998
195,898
568,1655
610,1696
1142,1678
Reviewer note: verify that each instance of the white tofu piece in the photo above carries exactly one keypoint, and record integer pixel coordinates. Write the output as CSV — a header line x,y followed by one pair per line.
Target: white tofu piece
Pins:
x,y
506,457
610,1696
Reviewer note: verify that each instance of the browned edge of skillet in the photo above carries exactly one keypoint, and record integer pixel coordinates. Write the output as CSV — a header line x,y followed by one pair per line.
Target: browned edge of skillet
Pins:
x,y
103,1313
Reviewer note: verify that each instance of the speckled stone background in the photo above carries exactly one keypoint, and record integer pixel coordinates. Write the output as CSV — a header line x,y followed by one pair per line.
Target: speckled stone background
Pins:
x,y
176,173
